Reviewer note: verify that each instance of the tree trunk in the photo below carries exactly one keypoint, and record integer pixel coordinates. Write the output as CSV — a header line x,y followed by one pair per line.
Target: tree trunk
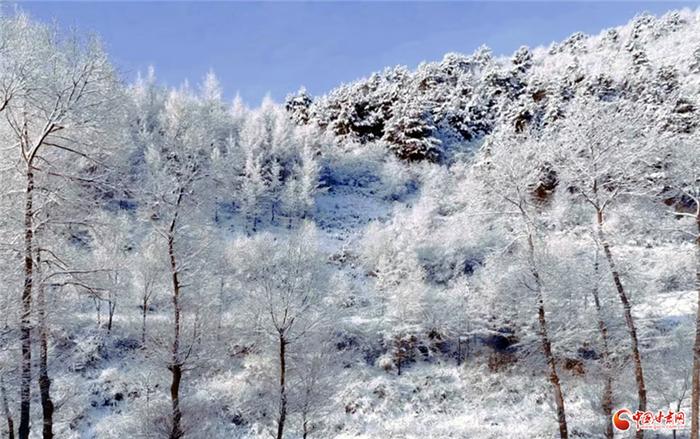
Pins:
x,y
627,307
399,356
25,318
176,432
678,408
6,410
546,343
695,402
176,363
111,307
143,323
283,388
607,397
47,406
98,311
220,314
175,366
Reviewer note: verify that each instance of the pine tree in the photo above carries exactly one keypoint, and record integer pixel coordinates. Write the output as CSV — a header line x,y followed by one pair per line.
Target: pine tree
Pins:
x,y
409,134
298,105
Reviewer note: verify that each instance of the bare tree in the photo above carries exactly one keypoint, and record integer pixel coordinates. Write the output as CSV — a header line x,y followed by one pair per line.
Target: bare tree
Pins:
x,y
147,279
6,409
512,168
603,160
607,397
285,284
316,380
112,251
173,202
56,96
682,194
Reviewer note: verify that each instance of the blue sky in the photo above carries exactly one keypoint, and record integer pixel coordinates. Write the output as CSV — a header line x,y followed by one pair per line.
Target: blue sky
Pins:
x,y
256,48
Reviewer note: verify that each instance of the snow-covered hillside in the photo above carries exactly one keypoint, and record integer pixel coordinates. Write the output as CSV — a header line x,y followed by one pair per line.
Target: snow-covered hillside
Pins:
x,y
481,248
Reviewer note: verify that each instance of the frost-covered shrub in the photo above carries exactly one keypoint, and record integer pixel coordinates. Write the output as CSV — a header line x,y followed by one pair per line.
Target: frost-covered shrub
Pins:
x,y
352,165
386,362
396,180
89,351
672,267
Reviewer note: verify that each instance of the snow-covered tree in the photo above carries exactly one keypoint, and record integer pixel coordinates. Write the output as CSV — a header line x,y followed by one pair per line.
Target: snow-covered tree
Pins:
x,y
174,200
511,169
253,185
682,195
285,287
59,97
605,157
297,105
410,133
147,280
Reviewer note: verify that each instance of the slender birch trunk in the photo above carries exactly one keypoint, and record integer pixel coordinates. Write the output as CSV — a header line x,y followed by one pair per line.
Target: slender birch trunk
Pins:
x,y
6,410
607,397
546,342
176,363
25,317
47,406
143,322
629,320
283,389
